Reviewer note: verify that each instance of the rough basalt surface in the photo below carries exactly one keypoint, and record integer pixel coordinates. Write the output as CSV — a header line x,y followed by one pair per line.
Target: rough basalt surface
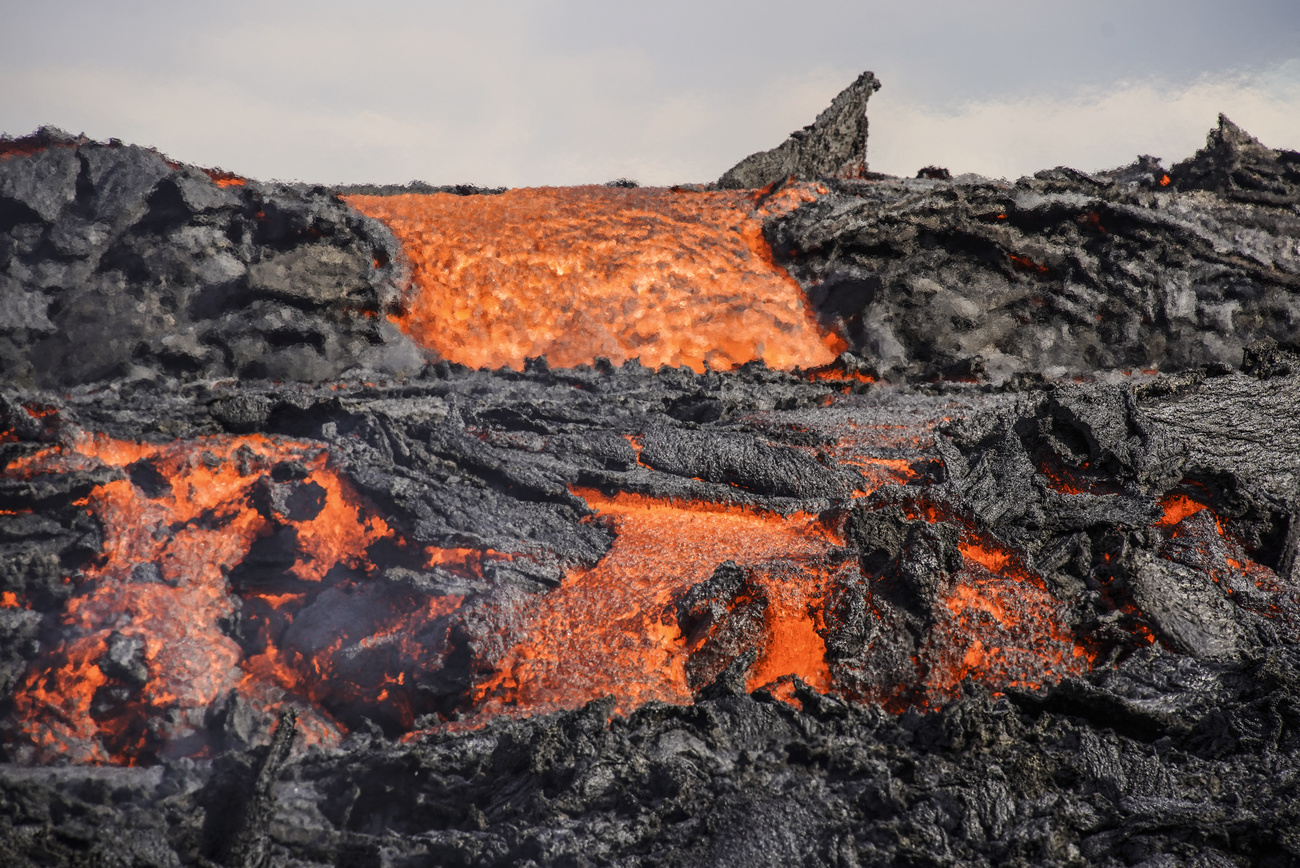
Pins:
x,y
1183,748
1134,696
832,146
116,264
1060,273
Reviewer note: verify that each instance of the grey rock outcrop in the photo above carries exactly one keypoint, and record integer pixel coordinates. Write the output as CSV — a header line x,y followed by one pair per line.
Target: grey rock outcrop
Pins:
x,y
834,145
1237,166
1061,273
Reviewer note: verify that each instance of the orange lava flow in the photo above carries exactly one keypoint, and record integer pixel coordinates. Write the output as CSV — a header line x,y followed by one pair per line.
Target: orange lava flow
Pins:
x,y
161,583
612,629
1002,628
1176,508
23,148
1067,480
1198,529
573,274
991,559
824,376
794,644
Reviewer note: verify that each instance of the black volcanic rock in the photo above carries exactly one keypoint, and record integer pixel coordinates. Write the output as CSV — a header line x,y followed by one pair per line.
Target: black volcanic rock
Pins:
x,y
1235,165
1098,770
116,263
1082,774
741,461
721,617
1062,273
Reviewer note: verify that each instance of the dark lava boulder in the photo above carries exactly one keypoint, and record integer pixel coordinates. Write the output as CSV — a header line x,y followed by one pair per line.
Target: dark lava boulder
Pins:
x,y
116,263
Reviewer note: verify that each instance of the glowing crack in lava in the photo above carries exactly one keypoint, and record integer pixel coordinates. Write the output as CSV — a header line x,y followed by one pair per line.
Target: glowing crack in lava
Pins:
x,y
576,273
617,628
144,653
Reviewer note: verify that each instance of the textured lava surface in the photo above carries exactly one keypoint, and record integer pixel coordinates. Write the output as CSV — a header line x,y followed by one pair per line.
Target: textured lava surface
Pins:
x,y
335,540
670,277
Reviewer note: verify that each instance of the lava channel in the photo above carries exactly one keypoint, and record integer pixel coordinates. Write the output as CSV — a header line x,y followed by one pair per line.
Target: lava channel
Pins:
x,y
574,274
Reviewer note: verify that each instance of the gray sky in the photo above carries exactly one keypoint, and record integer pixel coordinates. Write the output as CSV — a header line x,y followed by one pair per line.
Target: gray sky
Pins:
x,y
519,92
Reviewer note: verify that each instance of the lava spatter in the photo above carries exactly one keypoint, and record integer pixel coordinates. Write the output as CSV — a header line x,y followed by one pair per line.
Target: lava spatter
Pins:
x,y
574,274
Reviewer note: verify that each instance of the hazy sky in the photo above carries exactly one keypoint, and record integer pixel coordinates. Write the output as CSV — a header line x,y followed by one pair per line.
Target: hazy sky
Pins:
x,y
525,93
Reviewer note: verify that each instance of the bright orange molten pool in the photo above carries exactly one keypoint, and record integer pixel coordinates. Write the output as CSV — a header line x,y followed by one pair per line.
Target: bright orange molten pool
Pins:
x,y
578,273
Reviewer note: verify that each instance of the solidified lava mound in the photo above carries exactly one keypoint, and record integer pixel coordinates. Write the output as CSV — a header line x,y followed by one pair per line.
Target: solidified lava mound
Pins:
x,y
848,520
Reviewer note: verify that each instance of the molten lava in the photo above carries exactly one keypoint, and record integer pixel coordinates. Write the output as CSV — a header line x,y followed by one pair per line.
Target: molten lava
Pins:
x,y
144,653
579,273
246,570
1176,508
225,179
615,629
1005,628
612,629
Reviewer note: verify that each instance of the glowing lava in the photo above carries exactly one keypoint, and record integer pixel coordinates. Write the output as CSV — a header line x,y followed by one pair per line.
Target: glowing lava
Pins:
x,y
612,629
1002,627
144,654
245,570
578,273
615,629
1177,507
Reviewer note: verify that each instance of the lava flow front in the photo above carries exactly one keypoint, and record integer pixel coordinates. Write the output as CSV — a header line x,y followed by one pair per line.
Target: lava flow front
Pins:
x,y
574,274
615,629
